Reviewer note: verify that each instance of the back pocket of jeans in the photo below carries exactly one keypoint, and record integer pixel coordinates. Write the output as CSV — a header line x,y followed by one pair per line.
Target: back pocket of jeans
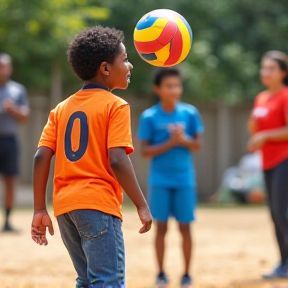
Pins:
x,y
90,223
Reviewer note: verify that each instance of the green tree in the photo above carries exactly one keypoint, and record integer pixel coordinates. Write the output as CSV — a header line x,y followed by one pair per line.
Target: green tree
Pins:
x,y
36,34
229,40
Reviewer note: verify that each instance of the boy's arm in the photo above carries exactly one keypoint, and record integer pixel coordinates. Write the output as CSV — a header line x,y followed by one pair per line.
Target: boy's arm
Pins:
x,y
145,134
41,219
194,140
124,172
21,114
194,144
177,139
150,151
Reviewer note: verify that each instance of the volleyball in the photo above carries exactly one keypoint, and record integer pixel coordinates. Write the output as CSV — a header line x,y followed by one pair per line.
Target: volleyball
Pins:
x,y
163,38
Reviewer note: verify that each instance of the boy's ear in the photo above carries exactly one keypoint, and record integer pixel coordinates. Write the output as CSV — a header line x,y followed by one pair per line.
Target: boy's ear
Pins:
x,y
104,69
156,89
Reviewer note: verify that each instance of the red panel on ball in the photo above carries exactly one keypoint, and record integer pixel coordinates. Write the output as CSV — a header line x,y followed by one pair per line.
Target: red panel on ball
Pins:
x,y
147,47
175,49
169,31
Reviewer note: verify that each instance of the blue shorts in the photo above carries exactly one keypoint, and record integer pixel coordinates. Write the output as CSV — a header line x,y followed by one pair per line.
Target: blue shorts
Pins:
x,y
178,202
95,243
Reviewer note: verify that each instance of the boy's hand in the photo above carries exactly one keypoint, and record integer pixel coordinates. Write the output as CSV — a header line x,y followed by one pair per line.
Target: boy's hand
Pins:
x,y
9,106
146,219
40,222
177,135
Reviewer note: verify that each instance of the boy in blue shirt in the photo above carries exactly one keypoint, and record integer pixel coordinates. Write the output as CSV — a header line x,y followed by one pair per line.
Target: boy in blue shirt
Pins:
x,y
169,132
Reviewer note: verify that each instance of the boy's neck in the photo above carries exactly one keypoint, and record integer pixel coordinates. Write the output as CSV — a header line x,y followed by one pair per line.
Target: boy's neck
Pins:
x,y
98,81
168,106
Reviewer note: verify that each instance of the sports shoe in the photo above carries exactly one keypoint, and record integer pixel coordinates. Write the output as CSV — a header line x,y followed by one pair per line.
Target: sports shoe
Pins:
x,y
186,281
8,228
281,271
162,280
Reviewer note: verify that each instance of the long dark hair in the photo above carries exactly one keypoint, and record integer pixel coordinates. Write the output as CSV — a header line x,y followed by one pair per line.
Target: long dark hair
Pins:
x,y
282,60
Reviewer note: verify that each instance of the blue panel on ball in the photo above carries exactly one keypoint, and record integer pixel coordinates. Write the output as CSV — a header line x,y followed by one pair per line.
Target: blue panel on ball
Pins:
x,y
146,23
188,26
149,57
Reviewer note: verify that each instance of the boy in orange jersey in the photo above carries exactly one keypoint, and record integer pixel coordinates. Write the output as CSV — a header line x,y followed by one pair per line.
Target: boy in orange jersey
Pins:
x,y
90,135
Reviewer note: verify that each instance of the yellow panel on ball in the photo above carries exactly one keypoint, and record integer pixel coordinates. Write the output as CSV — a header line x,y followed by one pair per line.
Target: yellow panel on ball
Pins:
x,y
151,33
186,40
162,55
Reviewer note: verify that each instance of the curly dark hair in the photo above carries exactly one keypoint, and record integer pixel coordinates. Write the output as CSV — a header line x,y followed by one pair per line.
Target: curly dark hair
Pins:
x,y
91,47
161,73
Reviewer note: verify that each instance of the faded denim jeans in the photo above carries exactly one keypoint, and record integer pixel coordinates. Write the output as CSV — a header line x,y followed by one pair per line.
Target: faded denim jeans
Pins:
x,y
95,243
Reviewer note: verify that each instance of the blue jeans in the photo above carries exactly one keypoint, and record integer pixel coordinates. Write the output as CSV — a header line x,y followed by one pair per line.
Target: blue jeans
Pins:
x,y
95,243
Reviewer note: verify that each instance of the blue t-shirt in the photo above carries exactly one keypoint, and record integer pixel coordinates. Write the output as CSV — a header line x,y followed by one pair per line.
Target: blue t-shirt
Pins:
x,y
16,93
173,168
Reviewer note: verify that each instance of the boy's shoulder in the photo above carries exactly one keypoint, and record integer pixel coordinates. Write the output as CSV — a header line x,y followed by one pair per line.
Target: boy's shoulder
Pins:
x,y
108,97
16,85
181,106
117,99
188,108
16,89
150,112
111,99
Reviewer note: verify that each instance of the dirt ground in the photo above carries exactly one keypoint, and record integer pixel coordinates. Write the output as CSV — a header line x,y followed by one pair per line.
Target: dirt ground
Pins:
x,y
233,246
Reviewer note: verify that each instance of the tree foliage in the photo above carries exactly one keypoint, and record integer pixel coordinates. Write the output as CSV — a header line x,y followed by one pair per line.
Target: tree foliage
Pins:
x,y
229,40
36,33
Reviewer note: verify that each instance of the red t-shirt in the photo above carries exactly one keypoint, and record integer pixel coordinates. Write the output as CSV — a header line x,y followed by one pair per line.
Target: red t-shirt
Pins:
x,y
271,113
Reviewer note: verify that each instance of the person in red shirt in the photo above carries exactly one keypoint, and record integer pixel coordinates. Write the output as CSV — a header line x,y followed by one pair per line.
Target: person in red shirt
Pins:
x,y
268,125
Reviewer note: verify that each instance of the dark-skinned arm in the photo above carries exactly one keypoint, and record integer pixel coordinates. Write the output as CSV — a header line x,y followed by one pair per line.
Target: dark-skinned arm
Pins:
x,y
41,219
21,114
150,151
194,144
124,172
177,139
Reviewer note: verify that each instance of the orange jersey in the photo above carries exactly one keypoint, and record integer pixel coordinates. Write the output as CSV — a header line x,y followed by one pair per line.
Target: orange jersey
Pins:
x,y
271,113
80,130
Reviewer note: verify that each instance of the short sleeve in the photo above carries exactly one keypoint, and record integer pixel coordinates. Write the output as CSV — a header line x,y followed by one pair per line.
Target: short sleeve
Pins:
x,y
119,130
145,131
48,137
255,104
197,125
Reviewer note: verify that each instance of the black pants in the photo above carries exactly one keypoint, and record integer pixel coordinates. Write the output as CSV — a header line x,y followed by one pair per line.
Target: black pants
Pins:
x,y
277,186
8,156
